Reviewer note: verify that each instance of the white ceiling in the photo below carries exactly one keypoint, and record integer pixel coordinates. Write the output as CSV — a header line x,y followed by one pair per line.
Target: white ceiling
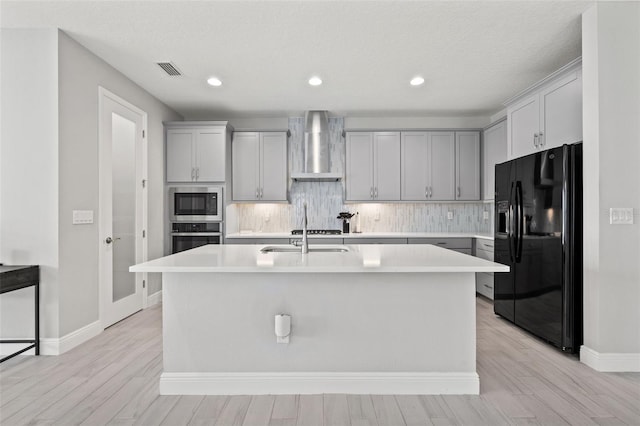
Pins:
x,y
473,55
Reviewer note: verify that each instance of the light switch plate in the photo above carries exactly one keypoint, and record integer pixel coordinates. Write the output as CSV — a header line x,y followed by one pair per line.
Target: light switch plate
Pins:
x,y
621,216
450,215
485,215
82,217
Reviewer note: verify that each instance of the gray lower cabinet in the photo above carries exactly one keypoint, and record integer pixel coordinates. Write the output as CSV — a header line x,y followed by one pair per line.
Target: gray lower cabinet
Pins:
x,y
319,240
484,280
375,241
484,284
461,245
256,241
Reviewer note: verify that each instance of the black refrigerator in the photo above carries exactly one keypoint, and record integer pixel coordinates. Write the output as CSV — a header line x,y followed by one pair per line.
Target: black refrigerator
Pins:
x,y
538,233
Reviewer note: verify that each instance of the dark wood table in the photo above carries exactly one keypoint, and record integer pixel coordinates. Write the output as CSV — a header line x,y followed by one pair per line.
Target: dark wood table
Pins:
x,y
15,278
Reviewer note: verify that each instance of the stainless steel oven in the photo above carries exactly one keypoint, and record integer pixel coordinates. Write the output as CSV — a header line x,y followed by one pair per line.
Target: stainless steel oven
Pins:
x,y
185,236
195,204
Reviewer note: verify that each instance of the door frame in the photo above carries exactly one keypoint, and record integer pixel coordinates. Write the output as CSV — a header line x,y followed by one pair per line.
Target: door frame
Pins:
x,y
104,288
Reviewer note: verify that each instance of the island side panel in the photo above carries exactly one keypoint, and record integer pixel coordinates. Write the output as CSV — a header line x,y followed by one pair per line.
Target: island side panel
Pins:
x,y
341,323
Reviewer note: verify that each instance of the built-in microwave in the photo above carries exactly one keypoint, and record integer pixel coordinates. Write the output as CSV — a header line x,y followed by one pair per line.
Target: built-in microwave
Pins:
x,y
195,204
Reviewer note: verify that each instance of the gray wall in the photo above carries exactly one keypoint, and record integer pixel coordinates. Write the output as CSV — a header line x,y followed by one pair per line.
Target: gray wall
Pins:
x,y
80,74
49,167
29,174
611,73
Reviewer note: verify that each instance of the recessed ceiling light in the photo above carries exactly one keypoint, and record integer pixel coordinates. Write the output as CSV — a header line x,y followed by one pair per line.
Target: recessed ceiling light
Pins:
x,y
213,81
416,81
315,81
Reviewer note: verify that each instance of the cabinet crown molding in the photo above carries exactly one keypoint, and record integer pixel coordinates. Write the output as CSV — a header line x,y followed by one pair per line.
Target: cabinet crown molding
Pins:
x,y
174,124
571,66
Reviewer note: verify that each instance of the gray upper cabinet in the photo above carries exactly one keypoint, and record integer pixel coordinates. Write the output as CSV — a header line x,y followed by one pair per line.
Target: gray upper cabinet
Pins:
x,y
196,152
561,111
523,127
547,115
428,166
467,165
494,151
259,170
373,166
180,147
273,167
415,177
359,167
246,166
442,161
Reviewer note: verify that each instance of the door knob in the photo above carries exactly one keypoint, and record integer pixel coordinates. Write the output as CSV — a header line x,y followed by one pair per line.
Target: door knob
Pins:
x,y
109,240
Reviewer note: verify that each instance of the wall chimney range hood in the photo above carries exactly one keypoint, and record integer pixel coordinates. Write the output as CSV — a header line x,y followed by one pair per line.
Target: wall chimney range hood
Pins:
x,y
316,150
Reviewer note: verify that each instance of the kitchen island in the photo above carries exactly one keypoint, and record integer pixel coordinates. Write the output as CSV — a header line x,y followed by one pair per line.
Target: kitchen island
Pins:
x,y
377,319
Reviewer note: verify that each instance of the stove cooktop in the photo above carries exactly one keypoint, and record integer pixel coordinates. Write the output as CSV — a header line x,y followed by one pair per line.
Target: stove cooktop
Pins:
x,y
317,232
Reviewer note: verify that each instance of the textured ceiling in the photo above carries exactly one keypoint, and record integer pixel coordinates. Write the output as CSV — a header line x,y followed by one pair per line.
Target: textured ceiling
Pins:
x,y
473,55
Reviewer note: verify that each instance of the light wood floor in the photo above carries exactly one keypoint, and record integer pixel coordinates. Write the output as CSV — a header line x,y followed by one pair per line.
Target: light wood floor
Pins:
x,y
113,379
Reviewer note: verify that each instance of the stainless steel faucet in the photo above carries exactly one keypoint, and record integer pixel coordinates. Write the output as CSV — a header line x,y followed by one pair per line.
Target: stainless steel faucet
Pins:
x,y
305,240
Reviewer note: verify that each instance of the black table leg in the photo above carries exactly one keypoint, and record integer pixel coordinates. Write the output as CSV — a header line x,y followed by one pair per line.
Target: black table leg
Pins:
x,y
37,297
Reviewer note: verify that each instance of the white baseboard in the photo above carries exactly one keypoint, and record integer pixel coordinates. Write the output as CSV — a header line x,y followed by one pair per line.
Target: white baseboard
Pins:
x,y
610,362
154,299
318,383
53,346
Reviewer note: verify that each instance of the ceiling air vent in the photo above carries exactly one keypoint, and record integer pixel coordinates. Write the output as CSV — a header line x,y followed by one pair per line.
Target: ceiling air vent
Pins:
x,y
169,68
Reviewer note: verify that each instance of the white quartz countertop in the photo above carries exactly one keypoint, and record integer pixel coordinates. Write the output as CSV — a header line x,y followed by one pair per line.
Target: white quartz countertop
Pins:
x,y
365,235
365,258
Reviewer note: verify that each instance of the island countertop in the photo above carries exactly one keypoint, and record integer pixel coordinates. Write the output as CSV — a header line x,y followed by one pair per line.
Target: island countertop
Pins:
x,y
379,234
359,259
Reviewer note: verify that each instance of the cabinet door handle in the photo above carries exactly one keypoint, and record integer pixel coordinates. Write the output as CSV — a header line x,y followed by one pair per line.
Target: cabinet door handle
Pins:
x,y
535,140
371,193
541,139
426,192
261,193
458,192
197,173
430,191
257,193
193,173
375,193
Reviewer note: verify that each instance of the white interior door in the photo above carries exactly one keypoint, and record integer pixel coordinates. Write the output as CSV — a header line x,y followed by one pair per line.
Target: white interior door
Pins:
x,y
123,207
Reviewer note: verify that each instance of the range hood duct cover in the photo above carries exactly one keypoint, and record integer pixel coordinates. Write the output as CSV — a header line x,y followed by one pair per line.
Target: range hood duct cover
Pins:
x,y
316,142
316,149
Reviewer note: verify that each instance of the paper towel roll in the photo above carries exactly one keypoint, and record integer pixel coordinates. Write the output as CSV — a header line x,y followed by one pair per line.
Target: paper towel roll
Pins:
x,y
283,325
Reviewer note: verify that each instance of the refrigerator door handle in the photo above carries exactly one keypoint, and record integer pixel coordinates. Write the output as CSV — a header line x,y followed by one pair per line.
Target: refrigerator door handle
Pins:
x,y
519,221
510,225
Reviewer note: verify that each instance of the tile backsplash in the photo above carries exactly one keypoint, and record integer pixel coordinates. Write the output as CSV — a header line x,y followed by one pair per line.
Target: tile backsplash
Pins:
x,y
326,199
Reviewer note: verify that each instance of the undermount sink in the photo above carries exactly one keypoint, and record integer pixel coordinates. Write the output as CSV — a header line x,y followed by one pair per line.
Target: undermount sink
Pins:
x,y
293,249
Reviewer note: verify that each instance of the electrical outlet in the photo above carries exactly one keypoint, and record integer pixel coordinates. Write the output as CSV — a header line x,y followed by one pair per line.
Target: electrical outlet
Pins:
x,y
485,215
450,215
376,215
621,216
267,217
